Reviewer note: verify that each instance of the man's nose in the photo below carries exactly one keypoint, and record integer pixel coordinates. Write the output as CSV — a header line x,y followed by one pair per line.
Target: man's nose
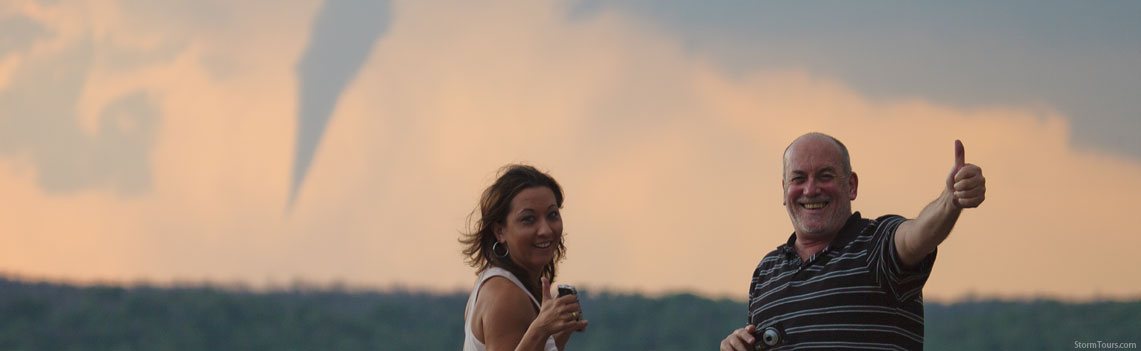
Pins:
x,y
811,187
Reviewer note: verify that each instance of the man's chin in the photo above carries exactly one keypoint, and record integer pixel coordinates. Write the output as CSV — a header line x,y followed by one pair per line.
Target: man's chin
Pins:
x,y
814,231
820,226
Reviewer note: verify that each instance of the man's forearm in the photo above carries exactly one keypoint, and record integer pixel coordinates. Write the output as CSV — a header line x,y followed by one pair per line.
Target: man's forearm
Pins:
x,y
916,238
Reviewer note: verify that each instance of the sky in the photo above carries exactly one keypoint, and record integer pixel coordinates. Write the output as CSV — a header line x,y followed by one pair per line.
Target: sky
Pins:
x,y
263,143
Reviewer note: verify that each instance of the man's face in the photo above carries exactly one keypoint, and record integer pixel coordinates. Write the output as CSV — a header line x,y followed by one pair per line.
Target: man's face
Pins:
x,y
818,195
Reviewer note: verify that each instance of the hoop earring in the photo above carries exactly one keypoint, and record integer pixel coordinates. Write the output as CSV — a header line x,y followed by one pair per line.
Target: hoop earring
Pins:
x,y
495,246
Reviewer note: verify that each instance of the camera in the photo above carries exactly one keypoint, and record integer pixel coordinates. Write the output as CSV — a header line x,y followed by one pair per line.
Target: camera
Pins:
x,y
567,289
767,338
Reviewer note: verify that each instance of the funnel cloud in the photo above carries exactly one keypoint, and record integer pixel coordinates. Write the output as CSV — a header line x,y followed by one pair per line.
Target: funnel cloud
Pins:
x,y
343,35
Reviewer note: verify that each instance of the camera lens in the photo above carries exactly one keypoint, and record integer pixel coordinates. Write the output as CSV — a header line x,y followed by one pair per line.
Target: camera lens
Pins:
x,y
769,337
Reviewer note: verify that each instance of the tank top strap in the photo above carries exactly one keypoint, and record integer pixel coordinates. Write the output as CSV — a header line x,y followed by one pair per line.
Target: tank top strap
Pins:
x,y
470,342
500,272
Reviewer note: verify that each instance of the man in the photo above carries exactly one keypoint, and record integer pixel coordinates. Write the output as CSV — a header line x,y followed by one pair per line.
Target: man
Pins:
x,y
843,281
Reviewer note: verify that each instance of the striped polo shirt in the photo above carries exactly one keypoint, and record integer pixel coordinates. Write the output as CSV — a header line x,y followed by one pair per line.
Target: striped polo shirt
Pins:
x,y
854,294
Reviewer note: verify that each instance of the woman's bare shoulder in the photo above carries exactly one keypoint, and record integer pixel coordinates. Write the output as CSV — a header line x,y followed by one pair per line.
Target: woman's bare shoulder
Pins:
x,y
500,293
503,312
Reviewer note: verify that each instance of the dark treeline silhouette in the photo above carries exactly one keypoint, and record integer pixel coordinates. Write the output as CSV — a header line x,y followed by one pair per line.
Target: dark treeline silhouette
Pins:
x,y
47,316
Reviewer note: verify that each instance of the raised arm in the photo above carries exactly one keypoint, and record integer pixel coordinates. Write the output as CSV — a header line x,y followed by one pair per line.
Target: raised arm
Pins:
x,y
966,188
512,324
507,322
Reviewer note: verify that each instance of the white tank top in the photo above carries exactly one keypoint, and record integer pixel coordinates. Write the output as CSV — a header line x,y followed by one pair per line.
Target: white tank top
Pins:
x,y
470,342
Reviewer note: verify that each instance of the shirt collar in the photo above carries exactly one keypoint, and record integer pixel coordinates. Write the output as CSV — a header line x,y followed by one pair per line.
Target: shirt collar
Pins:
x,y
850,230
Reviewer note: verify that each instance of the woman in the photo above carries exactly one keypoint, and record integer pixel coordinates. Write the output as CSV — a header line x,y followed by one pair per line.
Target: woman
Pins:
x,y
515,247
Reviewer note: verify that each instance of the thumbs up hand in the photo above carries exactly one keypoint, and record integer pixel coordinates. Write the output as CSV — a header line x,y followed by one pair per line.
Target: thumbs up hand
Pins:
x,y
558,315
966,183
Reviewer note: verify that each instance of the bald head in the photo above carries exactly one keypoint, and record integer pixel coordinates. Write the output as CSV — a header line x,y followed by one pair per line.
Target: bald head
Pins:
x,y
815,137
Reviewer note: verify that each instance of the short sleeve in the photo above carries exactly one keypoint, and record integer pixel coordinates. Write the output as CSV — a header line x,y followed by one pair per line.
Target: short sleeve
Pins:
x,y
756,279
753,282
759,278
902,282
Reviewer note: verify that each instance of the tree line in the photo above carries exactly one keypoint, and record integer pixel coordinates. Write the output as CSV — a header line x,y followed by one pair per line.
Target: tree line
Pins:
x,y
49,316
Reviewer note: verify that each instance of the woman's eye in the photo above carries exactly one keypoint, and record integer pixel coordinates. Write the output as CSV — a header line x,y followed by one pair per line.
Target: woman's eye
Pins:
x,y
528,219
553,215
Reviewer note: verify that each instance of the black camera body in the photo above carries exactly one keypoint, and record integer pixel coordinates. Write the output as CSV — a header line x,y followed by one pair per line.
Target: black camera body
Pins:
x,y
767,338
567,289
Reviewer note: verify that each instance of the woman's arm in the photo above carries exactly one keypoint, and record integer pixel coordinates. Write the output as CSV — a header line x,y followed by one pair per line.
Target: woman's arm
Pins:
x,y
511,323
507,318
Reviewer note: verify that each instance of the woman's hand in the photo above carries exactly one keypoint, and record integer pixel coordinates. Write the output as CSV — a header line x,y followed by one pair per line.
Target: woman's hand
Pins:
x,y
559,316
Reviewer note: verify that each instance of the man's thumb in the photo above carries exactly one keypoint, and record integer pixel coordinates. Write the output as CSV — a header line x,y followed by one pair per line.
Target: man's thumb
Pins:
x,y
959,154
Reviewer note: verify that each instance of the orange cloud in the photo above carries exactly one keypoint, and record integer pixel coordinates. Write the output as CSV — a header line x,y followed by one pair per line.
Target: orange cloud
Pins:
x,y
671,165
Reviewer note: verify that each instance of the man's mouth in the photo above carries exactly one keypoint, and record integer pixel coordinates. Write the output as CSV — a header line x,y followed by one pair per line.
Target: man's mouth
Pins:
x,y
814,205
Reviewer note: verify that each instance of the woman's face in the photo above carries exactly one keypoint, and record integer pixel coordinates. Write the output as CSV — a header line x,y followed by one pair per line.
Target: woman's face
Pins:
x,y
533,229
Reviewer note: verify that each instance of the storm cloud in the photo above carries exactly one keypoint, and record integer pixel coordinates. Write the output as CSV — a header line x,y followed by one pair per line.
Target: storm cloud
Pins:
x,y
40,125
342,38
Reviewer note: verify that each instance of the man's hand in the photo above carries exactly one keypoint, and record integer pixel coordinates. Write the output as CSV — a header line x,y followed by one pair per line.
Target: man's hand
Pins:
x,y
966,188
966,183
740,340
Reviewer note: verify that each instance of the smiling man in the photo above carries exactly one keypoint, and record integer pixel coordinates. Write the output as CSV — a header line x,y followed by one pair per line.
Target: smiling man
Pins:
x,y
843,281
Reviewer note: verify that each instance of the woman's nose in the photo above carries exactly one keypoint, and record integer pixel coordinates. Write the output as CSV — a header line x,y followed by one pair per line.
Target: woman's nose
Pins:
x,y
545,228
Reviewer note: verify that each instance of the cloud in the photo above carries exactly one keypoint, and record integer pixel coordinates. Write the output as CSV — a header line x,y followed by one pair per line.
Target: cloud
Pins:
x,y
40,124
1077,58
343,36
671,164
21,32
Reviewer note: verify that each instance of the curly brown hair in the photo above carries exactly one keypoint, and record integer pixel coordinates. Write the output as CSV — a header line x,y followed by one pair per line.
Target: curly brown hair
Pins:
x,y
494,206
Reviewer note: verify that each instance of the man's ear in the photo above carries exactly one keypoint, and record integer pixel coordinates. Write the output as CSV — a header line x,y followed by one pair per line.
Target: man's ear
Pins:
x,y
784,192
853,183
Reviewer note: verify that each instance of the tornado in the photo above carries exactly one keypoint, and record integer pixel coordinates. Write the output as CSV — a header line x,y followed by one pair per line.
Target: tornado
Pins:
x,y
343,36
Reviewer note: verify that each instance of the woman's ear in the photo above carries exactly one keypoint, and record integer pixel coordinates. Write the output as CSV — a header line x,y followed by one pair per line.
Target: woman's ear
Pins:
x,y
499,232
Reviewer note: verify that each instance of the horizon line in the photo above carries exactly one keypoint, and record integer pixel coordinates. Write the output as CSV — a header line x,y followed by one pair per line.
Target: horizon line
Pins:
x,y
299,285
